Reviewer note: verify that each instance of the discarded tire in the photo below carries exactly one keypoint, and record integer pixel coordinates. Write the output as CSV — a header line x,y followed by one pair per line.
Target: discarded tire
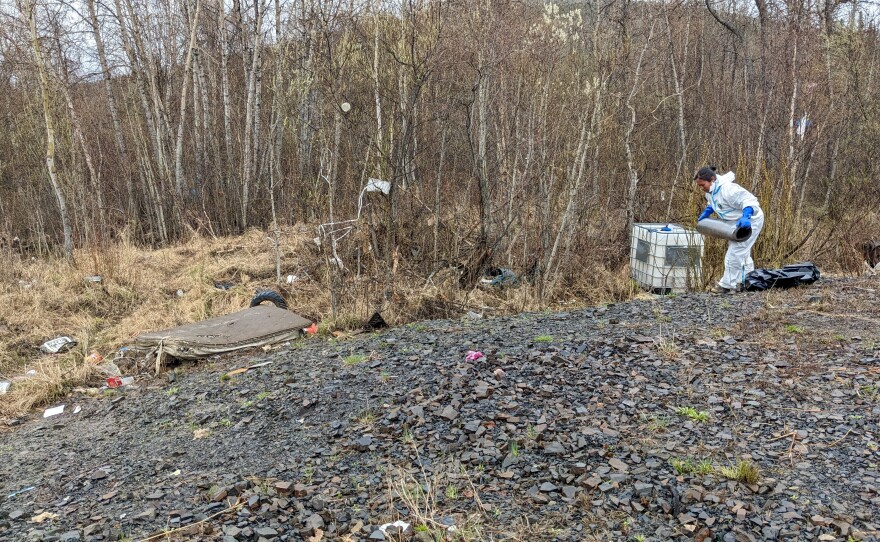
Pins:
x,y
269,295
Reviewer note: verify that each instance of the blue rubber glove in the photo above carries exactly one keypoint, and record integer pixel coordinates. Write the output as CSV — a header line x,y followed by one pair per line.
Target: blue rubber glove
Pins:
x,y
745,221
707,212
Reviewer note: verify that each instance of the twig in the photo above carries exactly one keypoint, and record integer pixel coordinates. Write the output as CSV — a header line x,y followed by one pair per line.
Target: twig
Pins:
x,y
723,23
791,446
166,534
783,436
838,441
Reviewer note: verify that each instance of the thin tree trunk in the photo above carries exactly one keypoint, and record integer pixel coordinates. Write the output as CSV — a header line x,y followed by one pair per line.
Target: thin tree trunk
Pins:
x,y
627,140
258,155
50,133
437,194
224,88
200,136
114,113
161,125
481,162
187,73
679,93
247,158
141,84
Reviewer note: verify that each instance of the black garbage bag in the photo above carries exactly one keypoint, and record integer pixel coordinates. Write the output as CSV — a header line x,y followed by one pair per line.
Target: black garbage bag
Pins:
x,y
796,274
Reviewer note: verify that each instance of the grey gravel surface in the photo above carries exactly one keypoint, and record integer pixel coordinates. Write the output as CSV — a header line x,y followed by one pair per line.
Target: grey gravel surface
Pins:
x,y
573,427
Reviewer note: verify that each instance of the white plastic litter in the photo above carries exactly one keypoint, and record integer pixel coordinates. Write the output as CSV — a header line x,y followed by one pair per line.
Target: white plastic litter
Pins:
x,y
377,185
54,411
404,526
57,345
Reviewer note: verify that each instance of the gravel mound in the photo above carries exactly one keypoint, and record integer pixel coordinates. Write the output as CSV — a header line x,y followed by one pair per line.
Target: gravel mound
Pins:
x,y
697,417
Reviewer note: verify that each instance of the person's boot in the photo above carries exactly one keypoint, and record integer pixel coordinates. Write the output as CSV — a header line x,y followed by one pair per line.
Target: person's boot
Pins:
x,y
720,290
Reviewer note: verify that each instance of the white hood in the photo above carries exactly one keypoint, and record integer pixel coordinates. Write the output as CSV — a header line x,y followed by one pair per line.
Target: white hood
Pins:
x,y
721,180
728,199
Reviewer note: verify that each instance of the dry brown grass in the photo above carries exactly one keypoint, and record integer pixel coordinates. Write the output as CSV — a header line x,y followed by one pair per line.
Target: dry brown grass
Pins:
x,y
43,299
40,300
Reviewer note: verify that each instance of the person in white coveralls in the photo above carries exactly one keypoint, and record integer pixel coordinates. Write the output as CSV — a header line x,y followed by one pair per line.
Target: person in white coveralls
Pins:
x,y
736,205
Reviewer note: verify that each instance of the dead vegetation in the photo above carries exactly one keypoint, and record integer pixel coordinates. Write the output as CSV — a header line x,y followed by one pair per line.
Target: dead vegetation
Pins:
x,y
142,290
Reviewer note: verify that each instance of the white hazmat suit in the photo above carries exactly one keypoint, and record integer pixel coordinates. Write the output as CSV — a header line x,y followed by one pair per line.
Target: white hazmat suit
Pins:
x,y
728,200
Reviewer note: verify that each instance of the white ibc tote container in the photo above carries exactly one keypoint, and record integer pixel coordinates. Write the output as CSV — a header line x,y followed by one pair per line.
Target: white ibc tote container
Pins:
x,y
665,258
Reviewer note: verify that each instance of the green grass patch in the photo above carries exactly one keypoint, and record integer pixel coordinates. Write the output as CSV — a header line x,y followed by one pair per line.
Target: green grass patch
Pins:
x,y
514,448
694,414
744,471
688,465
791,328
354,359
869,391
658,424
544,339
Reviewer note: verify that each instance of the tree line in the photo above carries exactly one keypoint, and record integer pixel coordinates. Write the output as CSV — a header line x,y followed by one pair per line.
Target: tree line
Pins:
x,y
503,132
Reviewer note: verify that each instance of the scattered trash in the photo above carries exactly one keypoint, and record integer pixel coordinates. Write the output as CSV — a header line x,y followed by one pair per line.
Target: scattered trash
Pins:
x,y
471,315
109,368
94,357
263,364
20,491
77,410
311,330
222,285
789,276
31,372
4,387
377,185
801,125
179,293
292,278
54,411
500,276
400,524
448,523
58,344
474,355
376,322
93,278
248,328
26,285
117,382
269,295
43,517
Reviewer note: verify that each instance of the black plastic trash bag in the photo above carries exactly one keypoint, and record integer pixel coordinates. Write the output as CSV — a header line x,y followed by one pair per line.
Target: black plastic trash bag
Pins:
x,y
789,276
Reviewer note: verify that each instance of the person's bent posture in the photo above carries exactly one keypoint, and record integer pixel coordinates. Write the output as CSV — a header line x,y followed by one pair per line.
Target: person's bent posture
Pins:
x,y
736,205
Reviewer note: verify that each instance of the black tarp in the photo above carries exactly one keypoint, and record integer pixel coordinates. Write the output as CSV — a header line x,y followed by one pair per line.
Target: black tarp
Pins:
x,y
796,274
